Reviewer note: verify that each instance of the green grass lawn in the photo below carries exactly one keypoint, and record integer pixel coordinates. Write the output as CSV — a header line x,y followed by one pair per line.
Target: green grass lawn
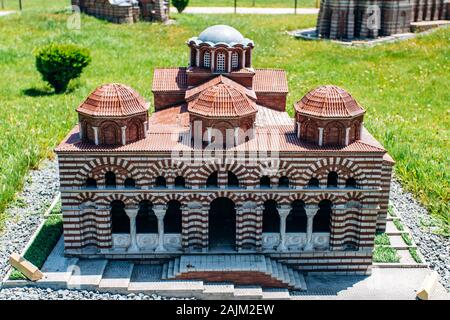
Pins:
x,y
403,86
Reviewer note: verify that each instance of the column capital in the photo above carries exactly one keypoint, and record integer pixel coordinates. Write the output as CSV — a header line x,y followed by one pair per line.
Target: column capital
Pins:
x,y
311,210
284,210
160,210
131,211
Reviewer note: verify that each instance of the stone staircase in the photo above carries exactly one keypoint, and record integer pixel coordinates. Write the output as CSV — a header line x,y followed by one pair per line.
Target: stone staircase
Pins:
x,y
227,276
237,269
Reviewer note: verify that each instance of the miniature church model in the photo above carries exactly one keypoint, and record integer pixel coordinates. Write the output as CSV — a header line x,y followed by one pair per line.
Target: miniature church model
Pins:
x,y
221,170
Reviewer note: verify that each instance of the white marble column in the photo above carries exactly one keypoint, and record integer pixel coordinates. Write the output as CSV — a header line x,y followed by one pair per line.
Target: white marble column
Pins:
x,y
283,212
95,135
310,213
243,59
124,135
160,212
145,129
320,136
236,136
197,57
80,126
132,213
347,136
209,132
229,61
213,61
299,126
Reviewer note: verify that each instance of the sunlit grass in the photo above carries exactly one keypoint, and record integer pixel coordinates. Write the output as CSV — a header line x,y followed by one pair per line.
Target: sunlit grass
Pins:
x,y
403,86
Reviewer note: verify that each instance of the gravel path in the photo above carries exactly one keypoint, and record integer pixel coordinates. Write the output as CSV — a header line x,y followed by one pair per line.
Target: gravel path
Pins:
x,y
41,187
49,294
435,248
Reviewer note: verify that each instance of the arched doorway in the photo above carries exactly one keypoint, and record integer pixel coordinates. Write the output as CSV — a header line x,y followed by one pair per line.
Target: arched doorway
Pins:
x,y
222,224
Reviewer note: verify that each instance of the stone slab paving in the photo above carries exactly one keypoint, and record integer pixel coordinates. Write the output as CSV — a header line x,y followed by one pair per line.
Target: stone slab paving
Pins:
x,y
397,242
117,276
248,292
5,13
391,229
405,257
383,284
87,274
243,10
57,268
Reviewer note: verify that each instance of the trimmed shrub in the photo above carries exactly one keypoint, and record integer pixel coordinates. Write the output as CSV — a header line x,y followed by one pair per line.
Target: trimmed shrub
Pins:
x,y
60,63
180,5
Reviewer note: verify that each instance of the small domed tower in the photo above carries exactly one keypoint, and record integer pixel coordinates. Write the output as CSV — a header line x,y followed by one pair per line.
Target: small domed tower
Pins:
x,y
221,108
221,49
114,114
328,116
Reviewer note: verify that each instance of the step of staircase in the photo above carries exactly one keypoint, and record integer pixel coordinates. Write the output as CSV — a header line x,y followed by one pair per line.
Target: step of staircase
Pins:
x,y
116,277
186,266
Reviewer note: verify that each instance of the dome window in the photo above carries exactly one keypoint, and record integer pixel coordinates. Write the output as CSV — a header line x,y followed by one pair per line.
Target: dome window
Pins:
x,y
221,62
207,59
235,60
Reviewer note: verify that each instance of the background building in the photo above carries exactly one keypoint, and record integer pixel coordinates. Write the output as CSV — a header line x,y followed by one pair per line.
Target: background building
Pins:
x,y
350,19
125,11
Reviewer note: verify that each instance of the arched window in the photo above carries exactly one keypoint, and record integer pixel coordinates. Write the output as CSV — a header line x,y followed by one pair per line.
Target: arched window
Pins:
x,y
133,132
146,221
129,183
110,180
264,182
310,130
332,181
322,219
180,182
313,183
91,183
235,60
296,220
211,182
109,134
220,67
271,219
119,219
233,181
160,182
283,182
207,59
350,183
172,219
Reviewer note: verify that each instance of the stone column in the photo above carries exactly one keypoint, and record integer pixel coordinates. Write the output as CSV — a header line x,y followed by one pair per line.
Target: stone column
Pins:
x,y
160,212
243,59
95,135
299,127
197,57
229,61
145,129
347,136
81,130
212,60
124,135
236,136
310,213
132,213
320,136
209,131
283,211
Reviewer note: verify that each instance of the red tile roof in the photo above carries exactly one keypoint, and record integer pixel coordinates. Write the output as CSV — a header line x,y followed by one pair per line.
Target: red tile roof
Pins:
x,y
113,100
329,102
270,81
175,79
221,98
194,92
169,131
169,80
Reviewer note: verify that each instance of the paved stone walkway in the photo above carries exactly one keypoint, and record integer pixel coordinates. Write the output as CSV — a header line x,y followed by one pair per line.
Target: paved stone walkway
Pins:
x,y
223,10
5,13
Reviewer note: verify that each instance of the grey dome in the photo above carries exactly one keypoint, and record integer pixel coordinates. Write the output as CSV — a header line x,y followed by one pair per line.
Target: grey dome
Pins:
x,y
221,34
